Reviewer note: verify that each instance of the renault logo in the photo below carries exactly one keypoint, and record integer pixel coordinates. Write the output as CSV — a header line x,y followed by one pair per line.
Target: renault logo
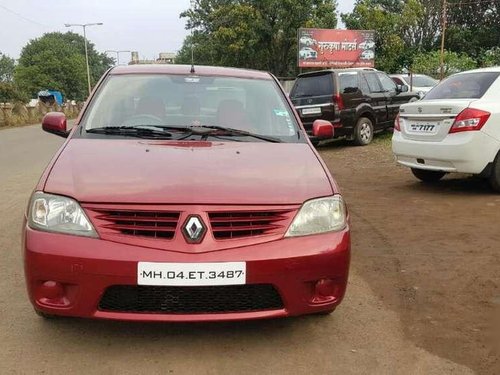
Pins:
x,y
419,109
193,229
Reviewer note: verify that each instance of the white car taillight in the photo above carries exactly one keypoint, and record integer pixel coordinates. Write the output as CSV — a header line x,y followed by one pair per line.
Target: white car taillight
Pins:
x,y
470,119
397,123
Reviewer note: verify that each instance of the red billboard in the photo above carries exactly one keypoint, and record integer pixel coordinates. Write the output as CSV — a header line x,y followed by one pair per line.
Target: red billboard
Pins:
x,y
336,48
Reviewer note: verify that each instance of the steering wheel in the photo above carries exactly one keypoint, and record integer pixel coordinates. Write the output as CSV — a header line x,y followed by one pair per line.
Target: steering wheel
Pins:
x,y
143,119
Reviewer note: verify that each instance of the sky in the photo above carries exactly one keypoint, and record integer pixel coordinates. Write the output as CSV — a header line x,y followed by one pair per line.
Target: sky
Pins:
x,y
146,26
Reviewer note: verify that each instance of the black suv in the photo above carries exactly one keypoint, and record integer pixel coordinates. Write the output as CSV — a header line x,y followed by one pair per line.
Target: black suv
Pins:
x,y
358,102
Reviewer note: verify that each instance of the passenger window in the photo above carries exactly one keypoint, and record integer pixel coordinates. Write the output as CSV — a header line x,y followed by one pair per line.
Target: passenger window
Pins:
x,y
398,81
388,84
363,85
373,82
348,83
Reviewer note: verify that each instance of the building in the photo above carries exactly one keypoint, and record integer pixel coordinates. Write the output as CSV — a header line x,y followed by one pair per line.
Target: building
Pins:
x,y
163,58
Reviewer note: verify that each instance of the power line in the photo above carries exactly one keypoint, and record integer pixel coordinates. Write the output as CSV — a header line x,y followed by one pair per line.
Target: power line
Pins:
x,y
23,17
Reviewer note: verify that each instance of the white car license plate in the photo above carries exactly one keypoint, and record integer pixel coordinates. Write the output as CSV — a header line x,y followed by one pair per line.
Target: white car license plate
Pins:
x,y
311,111
423,127
191,274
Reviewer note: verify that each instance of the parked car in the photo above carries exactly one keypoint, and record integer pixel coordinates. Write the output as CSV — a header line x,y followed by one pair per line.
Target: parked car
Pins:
x,y
368,44
307,41
359,102
307,53
453,129
177,197
367,54
418,83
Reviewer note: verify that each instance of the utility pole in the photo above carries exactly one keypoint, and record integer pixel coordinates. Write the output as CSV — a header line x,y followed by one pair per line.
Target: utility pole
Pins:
x,y
444,15
84,26
117,54
192,5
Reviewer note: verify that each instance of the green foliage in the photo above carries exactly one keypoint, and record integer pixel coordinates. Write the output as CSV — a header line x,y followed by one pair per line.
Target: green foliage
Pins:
x,y
259,34
491,57
10,94
7,66
409,31
57,61
403,29
430,63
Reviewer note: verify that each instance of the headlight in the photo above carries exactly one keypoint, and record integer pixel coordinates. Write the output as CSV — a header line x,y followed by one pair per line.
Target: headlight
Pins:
x,y
319,216
54,213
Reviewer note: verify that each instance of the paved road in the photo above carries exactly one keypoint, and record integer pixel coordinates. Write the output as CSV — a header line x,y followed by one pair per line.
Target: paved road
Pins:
x,y
361,337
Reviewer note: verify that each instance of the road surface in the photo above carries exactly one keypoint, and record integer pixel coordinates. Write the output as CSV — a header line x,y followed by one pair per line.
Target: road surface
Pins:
x,y
362,337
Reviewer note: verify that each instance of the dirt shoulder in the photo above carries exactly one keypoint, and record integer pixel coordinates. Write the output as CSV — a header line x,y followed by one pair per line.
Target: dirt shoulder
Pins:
x,y
431,253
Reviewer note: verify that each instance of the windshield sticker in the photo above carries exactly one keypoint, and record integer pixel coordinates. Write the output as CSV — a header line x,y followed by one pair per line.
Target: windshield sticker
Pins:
x,y
281,112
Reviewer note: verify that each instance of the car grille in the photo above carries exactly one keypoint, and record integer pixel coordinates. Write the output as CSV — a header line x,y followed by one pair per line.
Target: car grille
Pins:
x,y
237,224
156,224
190,300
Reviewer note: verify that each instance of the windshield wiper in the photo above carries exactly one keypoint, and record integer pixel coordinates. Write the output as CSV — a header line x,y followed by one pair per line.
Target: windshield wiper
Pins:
x,y
215,131
139,131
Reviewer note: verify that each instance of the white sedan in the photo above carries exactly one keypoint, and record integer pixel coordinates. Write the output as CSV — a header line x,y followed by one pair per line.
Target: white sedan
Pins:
x,y
455,128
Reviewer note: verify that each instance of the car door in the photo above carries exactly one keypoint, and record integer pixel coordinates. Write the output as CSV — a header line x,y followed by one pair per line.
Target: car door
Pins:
x,y
394,100
376,98
353,96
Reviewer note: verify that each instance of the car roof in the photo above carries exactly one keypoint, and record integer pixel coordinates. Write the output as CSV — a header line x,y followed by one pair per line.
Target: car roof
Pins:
x,y
324,71
200,70
493,69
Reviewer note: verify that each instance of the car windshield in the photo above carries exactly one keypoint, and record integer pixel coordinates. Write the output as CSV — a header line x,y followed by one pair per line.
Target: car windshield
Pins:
x,y
177,101
422,81
463,86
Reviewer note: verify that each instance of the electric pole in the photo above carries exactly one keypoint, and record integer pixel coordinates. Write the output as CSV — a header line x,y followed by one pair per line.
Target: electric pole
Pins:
x,y
443,33
84,26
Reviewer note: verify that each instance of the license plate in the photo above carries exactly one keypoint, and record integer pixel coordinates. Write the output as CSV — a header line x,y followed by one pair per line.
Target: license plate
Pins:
x,y
423,127
311,111
191,274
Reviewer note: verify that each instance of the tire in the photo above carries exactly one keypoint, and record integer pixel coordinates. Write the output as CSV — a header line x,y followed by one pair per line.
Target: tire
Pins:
x,y
363,132
494,178
45,315
315,142
428,176
325,313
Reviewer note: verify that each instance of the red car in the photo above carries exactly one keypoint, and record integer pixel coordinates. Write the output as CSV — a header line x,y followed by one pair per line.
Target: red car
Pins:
x,y
186,194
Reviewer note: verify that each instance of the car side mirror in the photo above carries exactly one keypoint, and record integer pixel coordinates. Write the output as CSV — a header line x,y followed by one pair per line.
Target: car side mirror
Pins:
x,y
55,123
401,88
322,129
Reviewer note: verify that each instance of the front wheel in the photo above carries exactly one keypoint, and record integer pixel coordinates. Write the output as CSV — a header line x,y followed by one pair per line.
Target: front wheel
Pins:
x,y
363,132
45,315
427,176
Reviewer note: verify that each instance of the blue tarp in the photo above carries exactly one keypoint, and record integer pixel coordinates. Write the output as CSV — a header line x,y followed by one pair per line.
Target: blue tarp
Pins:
x,y
47,94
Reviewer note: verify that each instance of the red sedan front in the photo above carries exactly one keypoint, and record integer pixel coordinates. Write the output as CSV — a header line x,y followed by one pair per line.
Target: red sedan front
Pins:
x,y
186,196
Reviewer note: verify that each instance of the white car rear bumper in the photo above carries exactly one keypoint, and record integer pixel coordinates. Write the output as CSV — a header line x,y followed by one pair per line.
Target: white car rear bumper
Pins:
x,y
467,152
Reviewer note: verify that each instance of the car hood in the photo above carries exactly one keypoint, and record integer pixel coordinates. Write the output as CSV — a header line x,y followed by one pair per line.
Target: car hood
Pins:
x,y
167,172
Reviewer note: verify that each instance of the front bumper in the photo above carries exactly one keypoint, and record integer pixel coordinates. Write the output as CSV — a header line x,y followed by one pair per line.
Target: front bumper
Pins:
x,y
86,267
467,152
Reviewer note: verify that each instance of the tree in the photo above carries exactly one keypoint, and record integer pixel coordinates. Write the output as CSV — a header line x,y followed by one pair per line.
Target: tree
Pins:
x,y
430,62
9,93
473,27
57,61
7,66
259,34
403,28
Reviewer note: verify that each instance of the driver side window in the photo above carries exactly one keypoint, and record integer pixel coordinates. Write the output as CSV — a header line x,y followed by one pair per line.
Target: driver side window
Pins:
x,y
387,83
